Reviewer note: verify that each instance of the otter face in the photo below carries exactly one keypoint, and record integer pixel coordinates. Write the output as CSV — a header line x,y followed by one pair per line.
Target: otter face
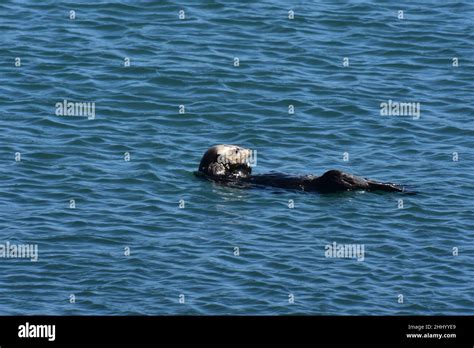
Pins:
x,y
226,161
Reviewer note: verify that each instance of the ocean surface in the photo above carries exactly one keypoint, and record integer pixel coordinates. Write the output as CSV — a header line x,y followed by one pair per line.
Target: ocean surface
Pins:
x,y
144,236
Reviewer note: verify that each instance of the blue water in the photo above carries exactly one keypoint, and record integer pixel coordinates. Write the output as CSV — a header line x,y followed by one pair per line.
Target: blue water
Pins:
x,y
190,251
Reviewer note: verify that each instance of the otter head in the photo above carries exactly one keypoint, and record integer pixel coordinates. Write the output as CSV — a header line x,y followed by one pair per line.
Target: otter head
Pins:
x,y
226,162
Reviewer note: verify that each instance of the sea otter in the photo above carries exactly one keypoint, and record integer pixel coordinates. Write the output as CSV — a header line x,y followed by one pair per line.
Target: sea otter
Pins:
x,y
230,164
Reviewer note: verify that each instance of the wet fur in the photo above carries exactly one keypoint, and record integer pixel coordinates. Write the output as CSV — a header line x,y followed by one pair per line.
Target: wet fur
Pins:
x,y
238,174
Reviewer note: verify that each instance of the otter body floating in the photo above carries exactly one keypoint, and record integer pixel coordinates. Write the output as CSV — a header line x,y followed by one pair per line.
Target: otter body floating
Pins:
x,y
230,164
